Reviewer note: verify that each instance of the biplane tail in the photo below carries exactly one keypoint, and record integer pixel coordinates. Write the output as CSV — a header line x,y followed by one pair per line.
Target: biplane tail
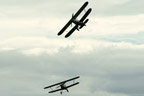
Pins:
x,y
84,23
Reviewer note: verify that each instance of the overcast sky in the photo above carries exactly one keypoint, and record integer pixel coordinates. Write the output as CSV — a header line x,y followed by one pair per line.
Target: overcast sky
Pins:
x,y
107,54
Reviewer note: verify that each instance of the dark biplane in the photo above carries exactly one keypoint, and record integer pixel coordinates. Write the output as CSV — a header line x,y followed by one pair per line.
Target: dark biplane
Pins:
x,y
78,23
62,85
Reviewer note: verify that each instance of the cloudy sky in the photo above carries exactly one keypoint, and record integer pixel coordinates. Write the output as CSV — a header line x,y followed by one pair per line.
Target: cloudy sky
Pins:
x,y
107,54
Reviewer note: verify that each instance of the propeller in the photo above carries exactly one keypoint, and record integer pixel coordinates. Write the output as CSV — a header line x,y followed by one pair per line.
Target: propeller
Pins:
x,y
72,18
72,15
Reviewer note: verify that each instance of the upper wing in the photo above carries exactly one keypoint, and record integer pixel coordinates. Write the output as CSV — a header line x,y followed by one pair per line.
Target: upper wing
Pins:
x,y
55,90
80,10
61,82
72,85
72,79
71,31
85,15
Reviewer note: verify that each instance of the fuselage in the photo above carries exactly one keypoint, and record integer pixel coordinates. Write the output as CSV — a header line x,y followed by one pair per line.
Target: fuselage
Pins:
x,y
77,22
63,87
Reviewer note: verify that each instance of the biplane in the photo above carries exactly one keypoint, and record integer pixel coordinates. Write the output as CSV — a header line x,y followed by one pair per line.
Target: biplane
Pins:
x,y
62,85
78,23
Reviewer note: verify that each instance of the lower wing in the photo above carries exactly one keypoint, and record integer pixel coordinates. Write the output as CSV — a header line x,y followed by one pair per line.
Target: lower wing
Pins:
x,y
55,90
65,27
72,85
71,31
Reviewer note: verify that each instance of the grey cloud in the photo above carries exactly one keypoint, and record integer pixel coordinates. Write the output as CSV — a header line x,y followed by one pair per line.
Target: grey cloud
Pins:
x,y
111,70
128,84
131,38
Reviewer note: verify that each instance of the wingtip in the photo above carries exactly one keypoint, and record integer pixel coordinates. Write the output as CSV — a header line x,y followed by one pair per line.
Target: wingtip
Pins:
x,y
77,77
78,82
86,2
58,34
45,87
66,36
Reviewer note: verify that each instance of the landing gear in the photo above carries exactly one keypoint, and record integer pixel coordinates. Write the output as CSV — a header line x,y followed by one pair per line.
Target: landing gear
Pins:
x,y
67,90
61,92
77,28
